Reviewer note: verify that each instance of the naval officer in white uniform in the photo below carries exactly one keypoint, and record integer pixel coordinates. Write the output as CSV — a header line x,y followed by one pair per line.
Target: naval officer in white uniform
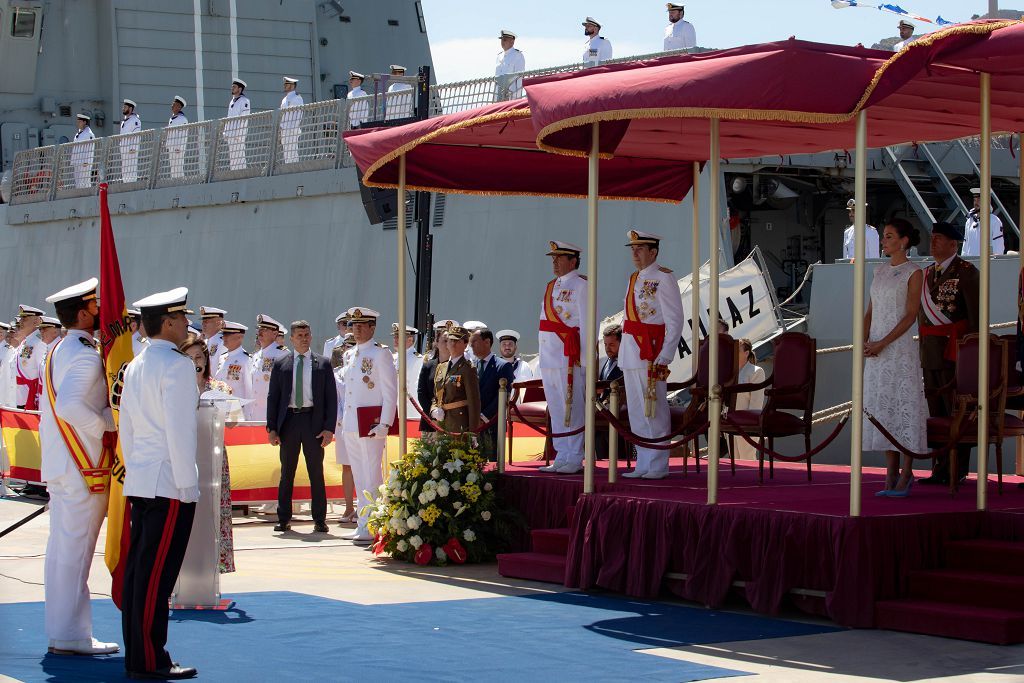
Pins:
x,y
679,34
651,330
262,363
76,394
871,246
562,312
158,431
291,121
26,362
596,50
233,367
972,229
131,126
235,132
399,106
508,346
370,384
212,321
509,61
359,105
81,157
176,140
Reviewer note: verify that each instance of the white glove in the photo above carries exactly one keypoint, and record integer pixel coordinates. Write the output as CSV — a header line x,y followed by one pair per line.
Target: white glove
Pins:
x,y
189,495
437,413
108,418
379,431
664,361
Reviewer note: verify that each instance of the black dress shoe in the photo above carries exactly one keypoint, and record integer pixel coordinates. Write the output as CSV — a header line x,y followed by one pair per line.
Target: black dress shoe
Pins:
x,y
320,528
933,480
171,673
283,526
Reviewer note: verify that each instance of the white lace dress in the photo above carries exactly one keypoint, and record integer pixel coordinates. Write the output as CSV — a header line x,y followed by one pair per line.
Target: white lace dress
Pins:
x,y
893,383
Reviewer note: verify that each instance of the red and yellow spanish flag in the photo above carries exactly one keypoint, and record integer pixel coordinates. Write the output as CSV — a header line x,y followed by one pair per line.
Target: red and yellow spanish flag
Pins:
x,y
116,345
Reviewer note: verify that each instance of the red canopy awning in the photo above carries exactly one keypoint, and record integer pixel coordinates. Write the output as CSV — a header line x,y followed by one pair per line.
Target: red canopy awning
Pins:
x,y
788,97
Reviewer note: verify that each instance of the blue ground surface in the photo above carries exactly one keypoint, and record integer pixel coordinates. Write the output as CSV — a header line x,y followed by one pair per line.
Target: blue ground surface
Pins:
x,y
282,636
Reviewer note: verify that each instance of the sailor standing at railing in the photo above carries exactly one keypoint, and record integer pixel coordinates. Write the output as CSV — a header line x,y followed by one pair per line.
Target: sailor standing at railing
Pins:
x,y
399,106
972,229
177,139
679,34
235,131
359,110
651,330
131,125
82,154
561,361
597,49
291,121
510,61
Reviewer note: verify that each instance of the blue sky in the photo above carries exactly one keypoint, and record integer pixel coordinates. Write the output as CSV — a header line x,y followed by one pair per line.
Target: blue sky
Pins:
x,y
464,42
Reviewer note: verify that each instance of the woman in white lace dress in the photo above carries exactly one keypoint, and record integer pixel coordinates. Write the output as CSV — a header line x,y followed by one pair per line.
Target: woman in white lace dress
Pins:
x,y
893,384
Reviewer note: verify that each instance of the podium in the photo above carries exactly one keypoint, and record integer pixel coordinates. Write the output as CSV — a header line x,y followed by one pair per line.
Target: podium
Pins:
x,y
198,585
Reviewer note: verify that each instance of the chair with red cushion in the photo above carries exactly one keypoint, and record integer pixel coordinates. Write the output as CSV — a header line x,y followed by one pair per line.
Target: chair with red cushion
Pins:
x,y
962,426
533,407
789,388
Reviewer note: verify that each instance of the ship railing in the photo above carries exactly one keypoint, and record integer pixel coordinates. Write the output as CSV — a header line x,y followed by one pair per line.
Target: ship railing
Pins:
x,y
79,167
244,146
128,163
32,175
308,137
185,154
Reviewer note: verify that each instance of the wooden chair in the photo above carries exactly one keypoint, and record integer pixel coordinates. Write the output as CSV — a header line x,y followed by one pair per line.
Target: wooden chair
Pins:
x,y
533,407
695,413
790,387
962,426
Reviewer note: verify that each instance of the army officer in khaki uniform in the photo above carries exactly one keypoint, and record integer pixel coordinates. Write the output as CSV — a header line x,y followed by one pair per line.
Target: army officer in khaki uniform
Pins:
x,y
456,387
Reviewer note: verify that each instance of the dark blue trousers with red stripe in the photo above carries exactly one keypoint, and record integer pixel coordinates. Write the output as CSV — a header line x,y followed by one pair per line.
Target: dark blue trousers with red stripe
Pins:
x,y
159,537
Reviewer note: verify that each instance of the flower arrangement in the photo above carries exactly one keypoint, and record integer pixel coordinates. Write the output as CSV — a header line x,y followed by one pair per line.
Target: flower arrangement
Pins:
x,y
439,505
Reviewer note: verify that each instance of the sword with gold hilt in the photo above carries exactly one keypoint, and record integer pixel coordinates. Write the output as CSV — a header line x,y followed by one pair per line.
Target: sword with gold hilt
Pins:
x,y
655,373
570,381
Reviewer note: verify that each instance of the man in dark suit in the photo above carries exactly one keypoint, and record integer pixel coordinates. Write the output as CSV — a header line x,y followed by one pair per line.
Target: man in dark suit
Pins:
x,y
609,371
948,311
490,371
302,410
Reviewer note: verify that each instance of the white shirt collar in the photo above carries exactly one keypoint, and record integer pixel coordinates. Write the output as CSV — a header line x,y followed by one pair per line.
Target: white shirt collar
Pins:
x,y
307,354
162,342
568,276
650,270
945,264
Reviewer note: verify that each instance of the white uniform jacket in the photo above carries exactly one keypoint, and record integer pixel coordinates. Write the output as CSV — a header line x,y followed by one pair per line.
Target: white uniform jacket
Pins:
x,y
399,106
569,300
658,301
680,36
597,50
176,138
238,106
159,423
972,234
413,365
871,247
215,345
8,356
370,380
26,363
523,371
81,389
234,371
508,62
291,119
359,109
260,365
138,343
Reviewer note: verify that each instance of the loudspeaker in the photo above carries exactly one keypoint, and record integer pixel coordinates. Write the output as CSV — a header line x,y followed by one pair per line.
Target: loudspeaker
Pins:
x,y
380,204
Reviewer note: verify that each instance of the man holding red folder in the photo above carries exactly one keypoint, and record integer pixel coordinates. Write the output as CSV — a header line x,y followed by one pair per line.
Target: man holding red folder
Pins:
x,y
371,399
302,409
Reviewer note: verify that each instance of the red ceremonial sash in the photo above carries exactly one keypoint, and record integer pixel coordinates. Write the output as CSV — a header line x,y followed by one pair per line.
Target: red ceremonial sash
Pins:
x,y
570,336
952,331
650,337
97,477
32,401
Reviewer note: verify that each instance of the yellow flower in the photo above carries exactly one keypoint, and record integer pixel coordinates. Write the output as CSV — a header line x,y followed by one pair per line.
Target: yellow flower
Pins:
x,y
431,514
470,492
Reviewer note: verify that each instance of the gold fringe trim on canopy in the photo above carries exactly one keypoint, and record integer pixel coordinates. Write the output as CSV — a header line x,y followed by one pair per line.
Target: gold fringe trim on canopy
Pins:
x,y
789,116
444,130
513,193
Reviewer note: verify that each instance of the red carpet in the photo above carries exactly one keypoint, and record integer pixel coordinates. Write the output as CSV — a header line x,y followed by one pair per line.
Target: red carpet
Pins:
x,y
639,538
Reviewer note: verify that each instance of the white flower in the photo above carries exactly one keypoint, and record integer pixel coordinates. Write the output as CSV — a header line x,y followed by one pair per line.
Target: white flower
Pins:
x,y
430,485
405,495
472,477
414,523
435,462
488,486
442,490
457,485
415,542
382,489
469,535
434,474
440,554
403,546
422,498
457,504
454,465
485,515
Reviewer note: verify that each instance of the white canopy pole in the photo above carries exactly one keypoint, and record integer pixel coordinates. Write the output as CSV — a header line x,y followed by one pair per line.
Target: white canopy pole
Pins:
x,y
984,252
715,402
590,334
400,252
859,219
695,269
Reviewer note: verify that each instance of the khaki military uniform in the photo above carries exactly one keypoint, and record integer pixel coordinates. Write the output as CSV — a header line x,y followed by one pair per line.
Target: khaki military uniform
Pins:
x,y
457,392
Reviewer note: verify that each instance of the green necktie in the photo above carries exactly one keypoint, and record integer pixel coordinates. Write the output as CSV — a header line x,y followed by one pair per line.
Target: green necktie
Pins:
x,y
479,368
298,384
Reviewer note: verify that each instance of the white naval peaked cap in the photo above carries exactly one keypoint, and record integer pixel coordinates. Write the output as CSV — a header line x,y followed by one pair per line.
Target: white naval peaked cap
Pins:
x,y
83,117
567,248
356,74
267,323
282,329
240,82
25,310
193,329
49,322
672,6
179,98
507,34
341,316
641,237
83,291
397,67
4,326
474,325
905,24
289,79
852,204
211,312
409,329
136,312
359,314
171,301
507,334
592,20
976,191
130,103
233,327
441,324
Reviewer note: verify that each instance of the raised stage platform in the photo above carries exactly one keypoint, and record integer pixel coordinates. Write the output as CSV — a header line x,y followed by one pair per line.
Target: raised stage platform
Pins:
x,y
928,561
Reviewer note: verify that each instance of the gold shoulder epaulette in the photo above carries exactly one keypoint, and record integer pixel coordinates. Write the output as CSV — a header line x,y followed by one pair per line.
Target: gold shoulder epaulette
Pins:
x,y
582,276
664,269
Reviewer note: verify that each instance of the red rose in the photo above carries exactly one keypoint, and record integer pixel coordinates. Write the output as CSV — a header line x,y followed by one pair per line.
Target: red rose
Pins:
x,y
424,555
454,550
378,547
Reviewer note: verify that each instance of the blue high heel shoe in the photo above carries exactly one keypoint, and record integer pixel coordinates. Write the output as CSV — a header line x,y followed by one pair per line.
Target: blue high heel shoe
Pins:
x,y
884,493
896,493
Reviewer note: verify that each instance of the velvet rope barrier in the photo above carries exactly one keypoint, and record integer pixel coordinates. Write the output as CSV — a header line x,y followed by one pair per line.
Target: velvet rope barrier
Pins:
x,y
764,450
906,451
442,430
653,443
540,430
